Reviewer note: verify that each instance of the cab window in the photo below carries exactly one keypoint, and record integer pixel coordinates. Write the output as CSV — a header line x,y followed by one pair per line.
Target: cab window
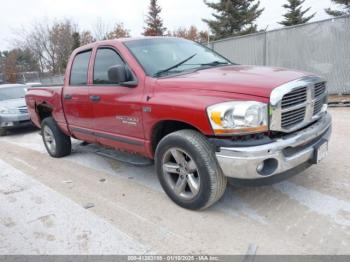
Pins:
x,y
79,72
105,59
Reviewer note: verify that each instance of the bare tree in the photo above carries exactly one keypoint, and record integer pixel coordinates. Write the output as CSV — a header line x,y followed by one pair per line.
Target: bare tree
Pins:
x,y
51,44
34,38
100,29
62,41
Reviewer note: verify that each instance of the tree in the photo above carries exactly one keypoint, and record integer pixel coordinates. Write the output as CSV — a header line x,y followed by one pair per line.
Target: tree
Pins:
x,y
2,60
344,4
62,41
50,43
233,17
191,33
15,61
25,60
119,31
76,40
295,15
86,38
10,68
154,23
100,29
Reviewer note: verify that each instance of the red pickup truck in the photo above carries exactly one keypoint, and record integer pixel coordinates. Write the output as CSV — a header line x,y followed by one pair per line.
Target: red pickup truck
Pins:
x,y
201,117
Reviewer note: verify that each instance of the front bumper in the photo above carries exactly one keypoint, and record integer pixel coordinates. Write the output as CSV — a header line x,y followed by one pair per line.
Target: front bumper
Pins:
x,y
278,157
14,120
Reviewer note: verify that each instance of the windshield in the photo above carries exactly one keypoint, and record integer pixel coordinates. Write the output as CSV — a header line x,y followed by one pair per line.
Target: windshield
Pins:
x,y
12,93
171,55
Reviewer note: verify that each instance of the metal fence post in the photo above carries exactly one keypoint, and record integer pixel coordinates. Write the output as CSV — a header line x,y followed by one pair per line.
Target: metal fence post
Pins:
x,y
265,47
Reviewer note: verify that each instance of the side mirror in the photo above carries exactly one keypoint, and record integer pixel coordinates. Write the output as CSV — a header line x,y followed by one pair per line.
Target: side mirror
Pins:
x,y
121,74
117,74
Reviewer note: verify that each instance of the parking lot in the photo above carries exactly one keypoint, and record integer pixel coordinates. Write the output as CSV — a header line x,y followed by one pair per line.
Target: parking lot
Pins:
x,y
87,204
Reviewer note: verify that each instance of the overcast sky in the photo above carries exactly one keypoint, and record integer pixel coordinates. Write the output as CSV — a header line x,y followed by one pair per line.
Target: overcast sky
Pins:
x,y
20,13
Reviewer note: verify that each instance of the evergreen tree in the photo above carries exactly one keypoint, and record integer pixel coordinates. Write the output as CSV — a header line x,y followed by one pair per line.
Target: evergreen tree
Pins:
x,y
233,17
295,15
345,4
76,40
154,23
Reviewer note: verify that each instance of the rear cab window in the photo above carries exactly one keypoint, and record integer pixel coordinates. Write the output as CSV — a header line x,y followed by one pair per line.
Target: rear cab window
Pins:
x,y
79,71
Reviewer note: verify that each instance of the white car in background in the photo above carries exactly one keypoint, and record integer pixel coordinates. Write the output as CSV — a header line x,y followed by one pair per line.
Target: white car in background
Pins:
x,y
13,108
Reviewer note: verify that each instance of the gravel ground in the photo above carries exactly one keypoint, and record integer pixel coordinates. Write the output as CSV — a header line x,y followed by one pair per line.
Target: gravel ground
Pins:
x,y
87,204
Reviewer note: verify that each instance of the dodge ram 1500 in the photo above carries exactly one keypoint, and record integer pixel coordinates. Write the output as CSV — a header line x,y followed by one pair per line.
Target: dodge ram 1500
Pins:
x,y
200,117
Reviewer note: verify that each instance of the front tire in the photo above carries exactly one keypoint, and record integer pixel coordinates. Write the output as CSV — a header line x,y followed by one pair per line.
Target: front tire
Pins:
x,y
188,170
56,142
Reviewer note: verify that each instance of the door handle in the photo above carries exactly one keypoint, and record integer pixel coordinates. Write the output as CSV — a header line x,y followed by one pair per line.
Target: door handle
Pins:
x,y
68,97
95,98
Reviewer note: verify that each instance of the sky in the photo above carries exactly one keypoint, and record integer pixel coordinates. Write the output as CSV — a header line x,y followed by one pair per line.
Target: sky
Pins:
x,y
15,14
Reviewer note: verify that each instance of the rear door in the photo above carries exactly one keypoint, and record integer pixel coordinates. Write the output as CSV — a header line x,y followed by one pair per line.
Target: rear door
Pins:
x,y
77,105
117,109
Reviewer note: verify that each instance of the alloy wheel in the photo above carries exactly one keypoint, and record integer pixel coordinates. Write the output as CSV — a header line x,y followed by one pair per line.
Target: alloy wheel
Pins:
x,y
181,173
49,139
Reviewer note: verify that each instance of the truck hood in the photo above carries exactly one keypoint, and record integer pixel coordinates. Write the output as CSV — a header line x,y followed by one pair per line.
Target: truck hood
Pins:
x,y
13,103
250,80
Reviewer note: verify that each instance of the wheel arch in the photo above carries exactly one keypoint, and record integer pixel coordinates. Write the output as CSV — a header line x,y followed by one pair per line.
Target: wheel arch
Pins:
x,y
166,127
43,110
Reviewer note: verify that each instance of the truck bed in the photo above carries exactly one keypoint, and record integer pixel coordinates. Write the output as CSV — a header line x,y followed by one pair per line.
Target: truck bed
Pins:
x,y
48,96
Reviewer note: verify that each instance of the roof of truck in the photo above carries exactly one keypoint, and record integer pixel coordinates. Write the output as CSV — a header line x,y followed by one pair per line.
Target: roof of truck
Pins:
x,y
145,37
121,40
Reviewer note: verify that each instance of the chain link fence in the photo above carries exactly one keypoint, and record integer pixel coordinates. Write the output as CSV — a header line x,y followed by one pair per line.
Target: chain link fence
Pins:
x,y
322,48
35,78
52,80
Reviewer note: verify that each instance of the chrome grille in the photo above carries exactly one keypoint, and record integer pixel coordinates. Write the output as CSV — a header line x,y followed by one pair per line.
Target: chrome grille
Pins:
x,y
318,105
293,117
295,97
297,104
320,89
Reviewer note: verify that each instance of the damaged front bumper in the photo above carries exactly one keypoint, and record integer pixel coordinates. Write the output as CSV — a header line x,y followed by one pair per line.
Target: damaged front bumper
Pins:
x,y
282,155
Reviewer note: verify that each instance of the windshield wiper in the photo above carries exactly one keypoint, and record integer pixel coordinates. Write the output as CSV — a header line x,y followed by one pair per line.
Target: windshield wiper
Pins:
x,y
215,63
174,66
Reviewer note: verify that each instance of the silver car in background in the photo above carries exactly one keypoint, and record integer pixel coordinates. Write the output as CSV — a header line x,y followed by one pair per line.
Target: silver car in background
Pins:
x,y
13,109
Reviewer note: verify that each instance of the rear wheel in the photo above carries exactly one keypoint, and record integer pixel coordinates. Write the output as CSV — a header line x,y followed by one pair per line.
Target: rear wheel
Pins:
x,y
188,170
56,142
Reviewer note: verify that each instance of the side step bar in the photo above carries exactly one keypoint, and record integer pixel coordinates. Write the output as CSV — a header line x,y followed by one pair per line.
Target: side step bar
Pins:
x,y
131,159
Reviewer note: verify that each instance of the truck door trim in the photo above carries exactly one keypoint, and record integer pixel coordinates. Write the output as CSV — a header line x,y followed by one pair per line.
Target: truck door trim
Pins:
x,y
110,137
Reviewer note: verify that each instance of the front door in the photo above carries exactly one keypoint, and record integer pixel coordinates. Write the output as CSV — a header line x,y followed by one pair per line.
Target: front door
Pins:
x,y
117,109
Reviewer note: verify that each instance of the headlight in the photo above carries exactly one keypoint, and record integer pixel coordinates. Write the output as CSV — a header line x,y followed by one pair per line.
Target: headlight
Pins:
x,y
238,117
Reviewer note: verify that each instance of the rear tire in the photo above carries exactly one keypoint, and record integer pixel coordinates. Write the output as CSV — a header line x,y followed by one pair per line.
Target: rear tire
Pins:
x,y
56,142
188,170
